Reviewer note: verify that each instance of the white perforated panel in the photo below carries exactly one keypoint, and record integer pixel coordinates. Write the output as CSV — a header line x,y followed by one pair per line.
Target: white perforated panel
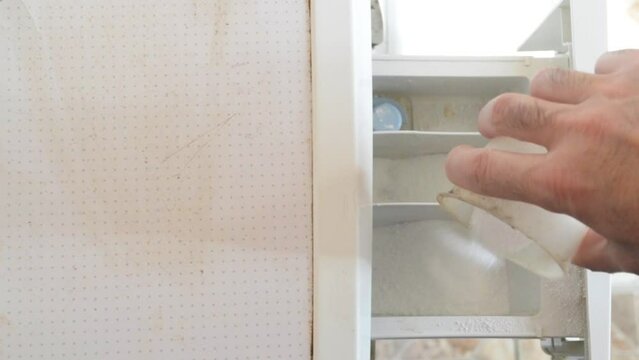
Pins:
x,y
156,179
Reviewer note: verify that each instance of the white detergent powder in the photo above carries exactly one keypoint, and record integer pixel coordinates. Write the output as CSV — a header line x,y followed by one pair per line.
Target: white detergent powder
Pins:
x,y
415,179
433,268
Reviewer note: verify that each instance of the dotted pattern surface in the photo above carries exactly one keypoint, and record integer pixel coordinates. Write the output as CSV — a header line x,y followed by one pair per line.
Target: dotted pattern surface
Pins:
x,y
155,168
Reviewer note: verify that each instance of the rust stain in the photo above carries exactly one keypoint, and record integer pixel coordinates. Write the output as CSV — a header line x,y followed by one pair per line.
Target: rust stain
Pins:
x,y
178,338
4,321
218,17
449,111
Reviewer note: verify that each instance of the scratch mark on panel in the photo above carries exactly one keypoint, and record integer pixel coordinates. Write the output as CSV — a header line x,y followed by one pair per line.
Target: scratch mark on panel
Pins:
x,y
206,133
197,151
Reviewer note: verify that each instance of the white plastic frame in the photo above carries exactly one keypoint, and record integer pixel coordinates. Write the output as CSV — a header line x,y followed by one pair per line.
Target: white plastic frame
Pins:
x,y
342,178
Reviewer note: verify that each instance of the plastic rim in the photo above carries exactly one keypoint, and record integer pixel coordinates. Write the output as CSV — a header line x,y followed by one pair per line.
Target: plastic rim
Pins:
x,y
532,257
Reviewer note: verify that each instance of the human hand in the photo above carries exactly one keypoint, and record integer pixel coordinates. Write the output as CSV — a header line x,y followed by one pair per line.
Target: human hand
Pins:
x,y
590,125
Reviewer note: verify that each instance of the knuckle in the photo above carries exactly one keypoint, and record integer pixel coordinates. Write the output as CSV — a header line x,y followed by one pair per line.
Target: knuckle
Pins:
x,y
452,159
634,53
539,84
558,77
614,61
560,117
558,189
503,105
593,121
547,80
523,186
553,79
601,63
481,170
509,111
591,126
506,107
619,86
626,53
536,179
564,190
629,109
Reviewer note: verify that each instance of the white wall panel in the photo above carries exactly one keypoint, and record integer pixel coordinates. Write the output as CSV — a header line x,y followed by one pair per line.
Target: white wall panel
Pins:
x,y
155,166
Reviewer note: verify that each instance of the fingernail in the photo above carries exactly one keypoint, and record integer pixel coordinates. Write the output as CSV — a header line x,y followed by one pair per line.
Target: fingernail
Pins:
x,y
455,164
484,120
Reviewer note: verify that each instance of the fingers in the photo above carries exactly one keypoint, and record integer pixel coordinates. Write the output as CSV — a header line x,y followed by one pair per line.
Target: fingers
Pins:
x,y
615,61
522,117
599,254
496,173
564,86
574,87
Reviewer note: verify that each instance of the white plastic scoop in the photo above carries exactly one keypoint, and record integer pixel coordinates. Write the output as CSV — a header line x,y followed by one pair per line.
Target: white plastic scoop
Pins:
x,y
528,235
